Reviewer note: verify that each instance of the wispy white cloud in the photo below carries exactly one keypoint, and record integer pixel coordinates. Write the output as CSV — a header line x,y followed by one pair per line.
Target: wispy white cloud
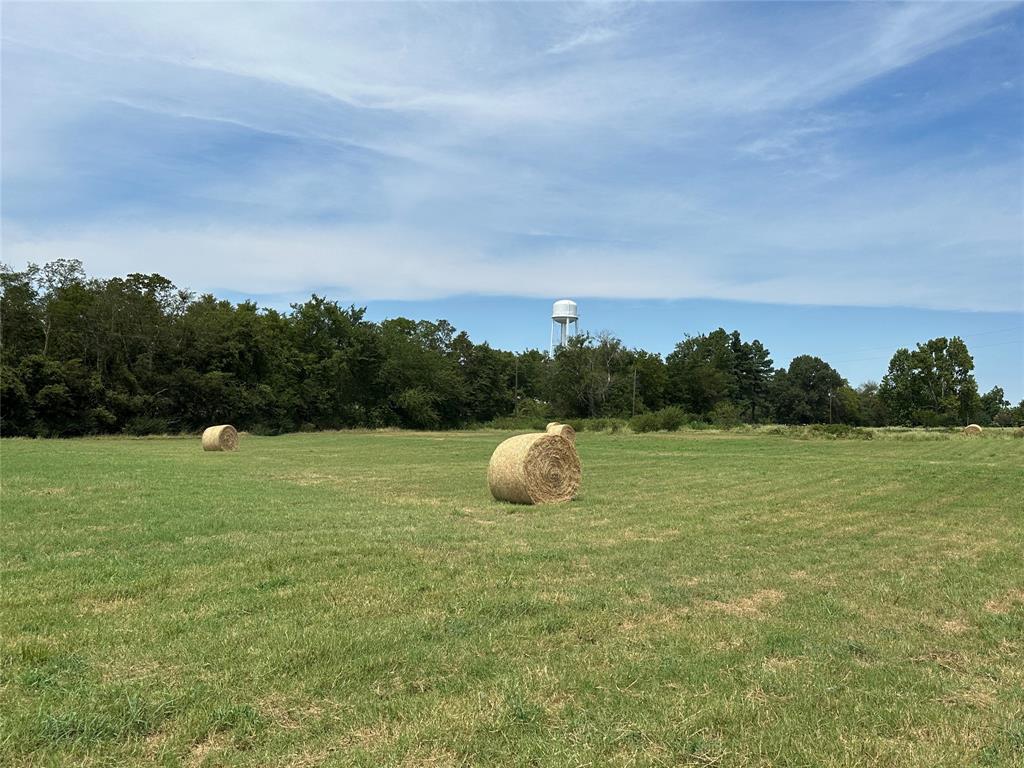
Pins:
x,y
397,150
592,36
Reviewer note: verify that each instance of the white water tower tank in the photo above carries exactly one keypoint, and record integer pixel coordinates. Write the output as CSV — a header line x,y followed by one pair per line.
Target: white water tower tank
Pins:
x,y
564,314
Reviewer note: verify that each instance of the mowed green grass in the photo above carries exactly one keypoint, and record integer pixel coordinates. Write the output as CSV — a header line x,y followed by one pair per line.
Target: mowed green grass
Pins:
x,y
359,599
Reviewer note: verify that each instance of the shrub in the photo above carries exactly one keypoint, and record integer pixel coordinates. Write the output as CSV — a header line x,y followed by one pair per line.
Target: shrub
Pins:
x,y
725,415
536,410
672,418
271,430
147,425
102,419
418,407
599,424
517,423
645,422
840,432
668,419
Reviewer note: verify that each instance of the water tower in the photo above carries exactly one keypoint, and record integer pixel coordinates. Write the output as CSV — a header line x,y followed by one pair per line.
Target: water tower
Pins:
x,y
563,314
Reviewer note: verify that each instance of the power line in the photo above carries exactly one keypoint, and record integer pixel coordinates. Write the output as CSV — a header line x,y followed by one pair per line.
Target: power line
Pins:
x,y
960,335
883,357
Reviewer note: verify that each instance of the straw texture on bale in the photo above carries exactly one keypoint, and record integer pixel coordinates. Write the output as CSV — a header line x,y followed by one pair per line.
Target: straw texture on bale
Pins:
x,y
220,438
972,429
537,468
554,428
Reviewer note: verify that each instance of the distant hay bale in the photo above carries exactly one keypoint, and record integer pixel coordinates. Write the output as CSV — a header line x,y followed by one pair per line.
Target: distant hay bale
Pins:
x,y
220,438
554,428
972,429
537,468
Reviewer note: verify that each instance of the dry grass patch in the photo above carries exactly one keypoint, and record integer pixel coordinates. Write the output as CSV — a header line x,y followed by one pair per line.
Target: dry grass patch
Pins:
x,y
407,500
954,627
202,753
668,618
99,605
156,744
310,478
780,663
374,737
759,695
285,715
308,758
56,491
973,698
1005,603
752,606
430,758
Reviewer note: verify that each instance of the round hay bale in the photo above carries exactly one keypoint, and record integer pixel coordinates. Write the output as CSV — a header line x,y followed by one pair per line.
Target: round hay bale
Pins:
x,y
220,438
972,429
537,468
566,431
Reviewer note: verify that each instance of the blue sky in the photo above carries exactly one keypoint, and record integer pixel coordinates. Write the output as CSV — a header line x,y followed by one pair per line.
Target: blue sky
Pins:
x,y
835,179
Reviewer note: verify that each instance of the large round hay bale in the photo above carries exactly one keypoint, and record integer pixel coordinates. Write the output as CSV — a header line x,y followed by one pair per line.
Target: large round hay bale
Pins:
x,y
566,431
220,438
537,468
972,429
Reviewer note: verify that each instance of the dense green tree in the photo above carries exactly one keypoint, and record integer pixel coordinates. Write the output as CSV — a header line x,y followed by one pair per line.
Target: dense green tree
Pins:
x,y
340,367
720,368
589,376
901,391
807,392
702,371
488,380
870,408
933,385
752,367
21,324
531,378
1011,417
991,404
137,354
419,378
649,382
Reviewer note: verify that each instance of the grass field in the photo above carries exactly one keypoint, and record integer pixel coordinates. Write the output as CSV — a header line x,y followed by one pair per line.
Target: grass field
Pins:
x,y
359,599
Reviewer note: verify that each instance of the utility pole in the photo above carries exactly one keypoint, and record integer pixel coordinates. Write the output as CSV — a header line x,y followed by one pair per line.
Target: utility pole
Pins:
x,y
516,411
634,391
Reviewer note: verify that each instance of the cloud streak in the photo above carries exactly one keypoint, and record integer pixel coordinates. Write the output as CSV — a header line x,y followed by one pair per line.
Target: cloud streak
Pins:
x,y
802,154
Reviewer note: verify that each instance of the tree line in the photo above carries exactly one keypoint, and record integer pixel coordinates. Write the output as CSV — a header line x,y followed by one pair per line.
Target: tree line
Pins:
x,y
81,355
